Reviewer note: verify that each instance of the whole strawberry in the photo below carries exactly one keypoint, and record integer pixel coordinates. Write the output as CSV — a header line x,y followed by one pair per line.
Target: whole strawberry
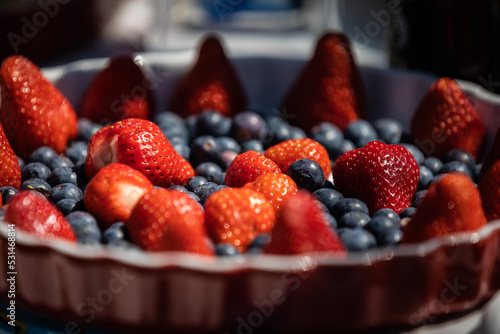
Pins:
x,y
445,120
119,91
302,227
167,220
247,166
212,83
33,111
33,213
113,192
289,151
452,204
489,188
10,171
329,88
237,215
277,187
381,175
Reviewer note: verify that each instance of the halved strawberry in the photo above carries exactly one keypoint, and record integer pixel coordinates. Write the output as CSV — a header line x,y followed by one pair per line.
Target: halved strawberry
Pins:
x,y
167,220
277,187
120,90
212,83
489,188
10,171
33,213
113,192
33,111
302,227
237,215
247,166
329,88
445,120
452,204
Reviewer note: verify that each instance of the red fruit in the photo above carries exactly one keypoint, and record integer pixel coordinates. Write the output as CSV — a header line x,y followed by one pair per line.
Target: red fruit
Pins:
x,y
113,192
184,173
10,171
137,143
237,215
276,187
33,111
329,88
452,204
247,166
446,120
212,83
33,213
289,151
492,156
489,188
381,175
167,220
119,91
302,227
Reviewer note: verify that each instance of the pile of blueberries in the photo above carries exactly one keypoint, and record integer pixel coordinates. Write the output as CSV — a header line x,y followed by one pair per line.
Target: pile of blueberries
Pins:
x,y
210,141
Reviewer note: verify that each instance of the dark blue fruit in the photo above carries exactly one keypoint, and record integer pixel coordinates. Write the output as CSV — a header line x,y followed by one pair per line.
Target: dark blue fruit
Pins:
x,y
408,212
329,135
346,146
357,239
354,219
297,133
248,125
307,174
195,182
259,242
346,205
278,131
177,187
200,190
115,233
391,237
227,144
389,130
380,226
60,161
208,170
62,175
224,249
85,227
86,129
213,123
386,212
43,154
328,197
252,145
76,150
460,156
418,197
360,132
65,190
204,149
434,164
210,191
68,205
36,184
7,192
425,177
35,170
181,147
457,167
415,151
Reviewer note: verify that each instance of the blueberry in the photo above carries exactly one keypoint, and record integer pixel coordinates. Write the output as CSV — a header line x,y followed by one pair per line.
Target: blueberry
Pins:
x,y
204,149
115,233
297,133
167,120
460,156
76,151
20,161
178,131
331,220
248,125
86,129
360,132
354,219
328,197
328,184
346,146
219,177
418,197
65,190
7,192
225,249
35,170
181,147
227,144
208,170
190,123
408,212
36,184
434,164
226,157
415,151
425,177
85,227
391,237
379,226
346,205
307,174
200,190
210,191
60,161
68,205
357,239
43,154
177,187
62,175
278,131
252,145
387,213
213,123
475,172
194,182
258,244
329,135
456,167
389,130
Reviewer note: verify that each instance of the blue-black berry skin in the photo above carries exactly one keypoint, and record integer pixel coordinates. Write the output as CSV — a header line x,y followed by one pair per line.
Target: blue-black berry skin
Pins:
x,y
86,129
385,229
227,144
357,239
434,164
252,145
194,182
178,187
278,131
224,249
168,120
35,170
116,232
297,132
248,125
210,191
307,174
354,219
418,197
408,212
85,227
456,166
21,162
346,146
204,149
386,212
329,197
36,184
65,190
7,192
200,190
425,177
416,152
346,205
60,161
391,237
76,150
360,132
389,130
43,154
62,175
68,205
213,123
460,156
329,135
208,170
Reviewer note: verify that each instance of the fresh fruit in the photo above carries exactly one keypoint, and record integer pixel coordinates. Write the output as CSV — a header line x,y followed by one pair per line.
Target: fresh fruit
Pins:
x,y
85,227
33,112
33,213
489,188
10,171
212,83
247,166
381,175
277,187
452,204
166,220
307,174
445,120
113,192
237,215
302,227
493,155
329,88
287,152
118,91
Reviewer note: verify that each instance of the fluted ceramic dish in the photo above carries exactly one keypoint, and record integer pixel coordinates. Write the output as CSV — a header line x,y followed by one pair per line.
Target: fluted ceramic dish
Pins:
x,y
388,288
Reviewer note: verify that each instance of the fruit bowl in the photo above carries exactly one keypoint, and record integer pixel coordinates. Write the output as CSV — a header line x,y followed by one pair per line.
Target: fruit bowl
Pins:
x,y
395,288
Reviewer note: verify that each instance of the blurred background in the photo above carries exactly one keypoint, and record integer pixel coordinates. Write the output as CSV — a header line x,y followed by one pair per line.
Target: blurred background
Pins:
x,y
460,38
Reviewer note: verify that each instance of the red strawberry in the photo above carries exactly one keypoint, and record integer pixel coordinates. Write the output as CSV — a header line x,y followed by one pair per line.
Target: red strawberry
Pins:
x,y
33,213
381,175
247,166
452,204
289,151
329,88
119,91
237,215
492,156
140,144
113,192
489,188
10,171
302,227
185,171
167,220
212,83
446,120
277,187
33,111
